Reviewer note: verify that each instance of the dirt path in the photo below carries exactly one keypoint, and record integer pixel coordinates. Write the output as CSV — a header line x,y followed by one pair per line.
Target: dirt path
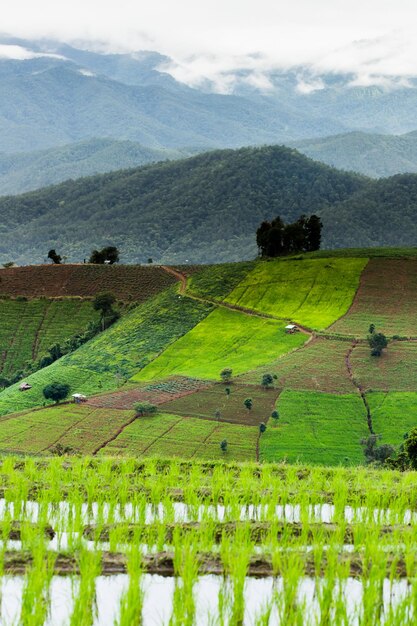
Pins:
x,y
178,275
227,305
36,341
113,437
358,386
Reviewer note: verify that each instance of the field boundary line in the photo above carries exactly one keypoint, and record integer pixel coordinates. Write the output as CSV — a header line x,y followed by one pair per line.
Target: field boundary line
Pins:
x,y
36,341
359,387
115,435
162,434
184,290
360,285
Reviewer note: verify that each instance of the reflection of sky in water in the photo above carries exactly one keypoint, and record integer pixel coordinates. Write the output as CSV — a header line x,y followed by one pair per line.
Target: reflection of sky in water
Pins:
x,y
158,599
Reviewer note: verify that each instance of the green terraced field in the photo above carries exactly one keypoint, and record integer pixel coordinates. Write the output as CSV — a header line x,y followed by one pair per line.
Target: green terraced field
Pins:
x,y
394,370
217,281
83,428
317,428
111,357
29,328
319,366
206,402
387,297
224,339
393,414
167,435
312,292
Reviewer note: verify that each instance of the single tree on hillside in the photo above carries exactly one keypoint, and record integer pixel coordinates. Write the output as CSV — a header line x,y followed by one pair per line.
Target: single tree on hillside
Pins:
x,y
103,302
262,427
56,391
248,403
55,258
223,445
145,408
267,381
377,342
226,375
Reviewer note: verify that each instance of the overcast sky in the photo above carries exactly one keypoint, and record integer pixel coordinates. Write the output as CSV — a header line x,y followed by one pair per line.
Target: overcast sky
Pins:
x,y
210,38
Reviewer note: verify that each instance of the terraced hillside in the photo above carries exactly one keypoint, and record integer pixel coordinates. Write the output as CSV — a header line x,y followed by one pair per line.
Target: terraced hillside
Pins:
x,y
29,328
319,391
127,282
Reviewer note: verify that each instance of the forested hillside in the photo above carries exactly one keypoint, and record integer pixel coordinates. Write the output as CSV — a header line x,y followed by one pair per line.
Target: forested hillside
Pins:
x,y
370,154
202,209
24,171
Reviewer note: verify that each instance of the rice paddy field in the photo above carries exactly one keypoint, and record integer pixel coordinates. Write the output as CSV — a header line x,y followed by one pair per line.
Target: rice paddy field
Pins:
x,y
225,338
317,428
150,541
170,348
319,366
312,292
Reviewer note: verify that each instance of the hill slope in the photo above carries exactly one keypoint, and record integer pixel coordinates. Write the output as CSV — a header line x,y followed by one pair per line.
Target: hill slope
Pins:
x,y
25,171
328,391
370,154
204,209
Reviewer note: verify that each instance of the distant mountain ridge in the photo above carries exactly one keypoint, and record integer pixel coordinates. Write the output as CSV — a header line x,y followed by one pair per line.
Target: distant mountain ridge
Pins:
x,y
33,170
71,94
370,154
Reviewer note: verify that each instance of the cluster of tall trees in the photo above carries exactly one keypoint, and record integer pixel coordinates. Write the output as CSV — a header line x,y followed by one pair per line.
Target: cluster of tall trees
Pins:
x,y
276,238
109,254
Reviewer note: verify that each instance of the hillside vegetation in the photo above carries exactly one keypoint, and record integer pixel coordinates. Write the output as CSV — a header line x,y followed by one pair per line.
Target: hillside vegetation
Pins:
x,y
206,209
368,153
202,209
24,171
312,396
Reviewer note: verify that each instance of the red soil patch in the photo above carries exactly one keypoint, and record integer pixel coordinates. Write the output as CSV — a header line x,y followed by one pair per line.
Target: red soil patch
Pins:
x,y
387,297
157,393
127,282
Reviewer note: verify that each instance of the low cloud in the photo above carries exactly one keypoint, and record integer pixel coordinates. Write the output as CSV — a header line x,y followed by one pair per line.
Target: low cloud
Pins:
x,y
221,43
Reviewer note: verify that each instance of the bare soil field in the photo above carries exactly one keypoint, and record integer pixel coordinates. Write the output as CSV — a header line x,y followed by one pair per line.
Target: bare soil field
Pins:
x,y
387,297
128,282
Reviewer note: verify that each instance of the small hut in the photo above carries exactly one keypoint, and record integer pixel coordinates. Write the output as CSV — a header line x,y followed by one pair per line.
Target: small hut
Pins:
x,y
79,397
290,329
24,386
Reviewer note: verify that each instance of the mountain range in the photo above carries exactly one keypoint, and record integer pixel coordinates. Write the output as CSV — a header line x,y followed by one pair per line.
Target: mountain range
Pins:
x,y
206,208
62,94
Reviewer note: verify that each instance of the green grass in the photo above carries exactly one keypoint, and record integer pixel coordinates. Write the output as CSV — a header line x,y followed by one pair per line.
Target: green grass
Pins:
x,y
224,339
103,363
82,427
393,414
217,281
29,328
389,252
316,428
314,293
187,437
319,366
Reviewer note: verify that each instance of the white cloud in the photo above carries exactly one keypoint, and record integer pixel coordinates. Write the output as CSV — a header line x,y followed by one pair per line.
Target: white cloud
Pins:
x,y
20,53
210,41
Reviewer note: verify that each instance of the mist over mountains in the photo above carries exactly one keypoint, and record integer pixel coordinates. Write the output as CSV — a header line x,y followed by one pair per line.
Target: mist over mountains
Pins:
x,y
62,94
69,113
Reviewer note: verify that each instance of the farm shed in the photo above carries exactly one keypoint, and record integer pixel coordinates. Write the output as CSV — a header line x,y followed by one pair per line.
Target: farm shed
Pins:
x,y
25,386
290,329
